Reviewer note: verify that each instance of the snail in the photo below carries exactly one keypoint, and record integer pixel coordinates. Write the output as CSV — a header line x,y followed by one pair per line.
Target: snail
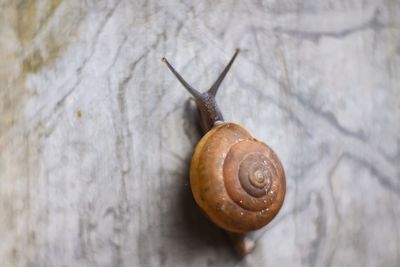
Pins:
x,y
238,181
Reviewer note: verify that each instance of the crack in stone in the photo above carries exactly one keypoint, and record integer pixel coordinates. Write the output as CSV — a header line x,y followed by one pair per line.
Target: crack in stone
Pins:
x,y
381,178
327,116
315,36
117,54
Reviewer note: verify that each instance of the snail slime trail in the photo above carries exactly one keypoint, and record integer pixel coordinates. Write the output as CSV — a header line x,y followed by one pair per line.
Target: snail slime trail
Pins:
x,y
238,181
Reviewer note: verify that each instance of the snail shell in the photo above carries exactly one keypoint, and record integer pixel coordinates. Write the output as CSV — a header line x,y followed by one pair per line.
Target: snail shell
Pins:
x,y
238,181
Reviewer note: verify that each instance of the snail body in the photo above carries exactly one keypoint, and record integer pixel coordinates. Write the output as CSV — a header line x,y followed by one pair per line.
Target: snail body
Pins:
x,y
238,181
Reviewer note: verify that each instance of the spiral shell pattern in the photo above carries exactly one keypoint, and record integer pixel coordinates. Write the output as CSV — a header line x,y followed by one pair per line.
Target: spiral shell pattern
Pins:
x,y
237,180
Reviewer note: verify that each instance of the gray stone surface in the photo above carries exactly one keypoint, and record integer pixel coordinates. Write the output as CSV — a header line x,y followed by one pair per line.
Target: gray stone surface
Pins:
x,y
96,134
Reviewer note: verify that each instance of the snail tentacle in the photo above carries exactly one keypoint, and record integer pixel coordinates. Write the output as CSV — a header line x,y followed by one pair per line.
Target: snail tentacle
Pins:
x,y
190,89
206,103
214,88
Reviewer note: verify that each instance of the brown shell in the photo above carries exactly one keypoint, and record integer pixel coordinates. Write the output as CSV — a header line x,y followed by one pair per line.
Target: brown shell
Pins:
x,y
238,181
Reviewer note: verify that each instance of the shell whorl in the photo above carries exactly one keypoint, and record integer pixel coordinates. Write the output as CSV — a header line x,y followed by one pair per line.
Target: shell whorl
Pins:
x,y
237,180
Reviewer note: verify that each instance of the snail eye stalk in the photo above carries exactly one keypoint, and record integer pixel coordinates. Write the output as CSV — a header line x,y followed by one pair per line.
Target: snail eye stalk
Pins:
x,y
190,89
206,104
214,88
